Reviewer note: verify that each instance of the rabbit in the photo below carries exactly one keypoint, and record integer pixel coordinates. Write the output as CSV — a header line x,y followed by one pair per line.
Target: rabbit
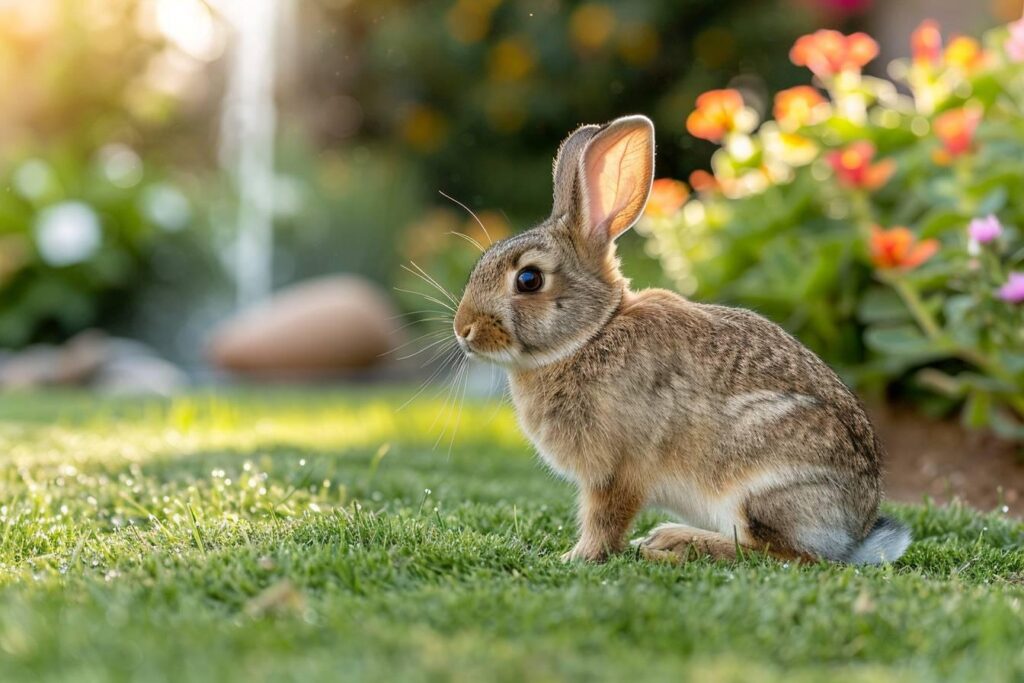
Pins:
x,y
647,399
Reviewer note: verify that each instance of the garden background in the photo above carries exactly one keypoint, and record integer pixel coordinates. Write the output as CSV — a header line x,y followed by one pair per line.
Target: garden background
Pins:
x,y
227,230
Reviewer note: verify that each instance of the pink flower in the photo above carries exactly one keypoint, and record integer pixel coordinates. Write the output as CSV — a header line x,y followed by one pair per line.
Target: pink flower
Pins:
x,y
985,230
1015,43
1013,290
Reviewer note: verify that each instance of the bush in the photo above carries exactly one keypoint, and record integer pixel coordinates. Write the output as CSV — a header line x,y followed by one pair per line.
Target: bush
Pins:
x,y
84,220
877,226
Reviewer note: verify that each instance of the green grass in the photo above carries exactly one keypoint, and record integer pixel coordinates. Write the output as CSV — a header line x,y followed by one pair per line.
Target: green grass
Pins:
x,y
319,536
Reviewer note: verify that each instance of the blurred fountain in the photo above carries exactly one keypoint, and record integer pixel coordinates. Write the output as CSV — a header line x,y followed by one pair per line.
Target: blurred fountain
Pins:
x,y
248,125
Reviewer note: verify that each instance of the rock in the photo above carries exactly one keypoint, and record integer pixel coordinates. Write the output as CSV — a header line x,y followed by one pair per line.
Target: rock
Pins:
x,y
35,366
81,357
139,374
92,359
329,325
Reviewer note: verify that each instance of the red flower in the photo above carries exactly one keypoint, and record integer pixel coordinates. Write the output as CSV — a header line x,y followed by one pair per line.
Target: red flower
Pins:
x,y
799,106
667,195
955,129
926,43
898,249
718,112
826,52
853,168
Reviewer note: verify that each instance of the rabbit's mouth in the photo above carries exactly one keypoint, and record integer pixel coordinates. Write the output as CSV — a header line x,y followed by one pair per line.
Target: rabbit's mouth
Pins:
x,y
464,345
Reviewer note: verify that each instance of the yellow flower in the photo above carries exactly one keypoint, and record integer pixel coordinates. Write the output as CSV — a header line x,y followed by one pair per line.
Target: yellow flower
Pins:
x,y
639,44
470,20
590,26
510,60
424,128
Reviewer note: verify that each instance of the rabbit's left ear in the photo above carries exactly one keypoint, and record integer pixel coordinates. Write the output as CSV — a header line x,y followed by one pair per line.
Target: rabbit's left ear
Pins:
x,y
617,169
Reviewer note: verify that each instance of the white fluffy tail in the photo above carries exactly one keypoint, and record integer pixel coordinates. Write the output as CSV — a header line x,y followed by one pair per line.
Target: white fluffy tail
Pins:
x,y
886,542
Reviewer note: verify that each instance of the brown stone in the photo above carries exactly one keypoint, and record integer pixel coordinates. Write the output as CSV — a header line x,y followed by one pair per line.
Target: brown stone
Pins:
x,y
324,326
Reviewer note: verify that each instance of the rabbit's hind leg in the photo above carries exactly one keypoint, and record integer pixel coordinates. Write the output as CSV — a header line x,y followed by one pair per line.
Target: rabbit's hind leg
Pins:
x,y
679,542
811,519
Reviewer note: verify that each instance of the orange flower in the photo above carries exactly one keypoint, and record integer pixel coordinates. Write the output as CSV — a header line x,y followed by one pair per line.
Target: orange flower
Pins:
x,y
667,195
853,168
719,112
955,129
926,43
898,249
799,106
702,181
827,53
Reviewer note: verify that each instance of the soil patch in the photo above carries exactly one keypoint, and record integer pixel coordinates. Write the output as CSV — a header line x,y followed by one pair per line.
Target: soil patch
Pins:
x,y
943,460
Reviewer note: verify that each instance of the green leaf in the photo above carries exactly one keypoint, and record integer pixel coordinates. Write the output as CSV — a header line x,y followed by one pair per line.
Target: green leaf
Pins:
x,y
881,305
959,322
902,340
977,410
992,202
936,222
940,382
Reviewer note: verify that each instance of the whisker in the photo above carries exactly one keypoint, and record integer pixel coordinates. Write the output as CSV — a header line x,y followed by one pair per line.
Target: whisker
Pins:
x,y
490,393
444,349
428,335
433,375
405,315
423,275
470,212
458,418
443,293
468,239
428,347
421,321
444,406
426,296
433,280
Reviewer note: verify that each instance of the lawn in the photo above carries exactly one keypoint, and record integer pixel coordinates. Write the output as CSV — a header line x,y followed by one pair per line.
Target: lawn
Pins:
x,y
321,536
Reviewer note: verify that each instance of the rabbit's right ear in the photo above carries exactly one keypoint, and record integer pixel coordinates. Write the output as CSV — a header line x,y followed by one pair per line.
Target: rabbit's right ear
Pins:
x,y
568,193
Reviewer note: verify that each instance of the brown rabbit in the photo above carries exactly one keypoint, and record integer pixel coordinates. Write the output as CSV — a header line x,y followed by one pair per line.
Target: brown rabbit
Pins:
x,y
648,399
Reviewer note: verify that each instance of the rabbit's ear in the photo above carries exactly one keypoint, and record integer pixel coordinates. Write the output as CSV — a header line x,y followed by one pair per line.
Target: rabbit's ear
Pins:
x,y
565,170
616,170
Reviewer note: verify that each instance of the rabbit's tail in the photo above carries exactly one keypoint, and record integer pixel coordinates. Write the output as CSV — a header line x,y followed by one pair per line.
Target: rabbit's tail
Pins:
x,y
886,542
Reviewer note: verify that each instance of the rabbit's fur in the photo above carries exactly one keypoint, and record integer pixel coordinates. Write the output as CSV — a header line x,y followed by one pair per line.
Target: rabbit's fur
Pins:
x,y
648,399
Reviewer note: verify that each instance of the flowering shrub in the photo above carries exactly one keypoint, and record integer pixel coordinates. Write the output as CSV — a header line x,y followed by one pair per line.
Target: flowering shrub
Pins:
x,y
883,228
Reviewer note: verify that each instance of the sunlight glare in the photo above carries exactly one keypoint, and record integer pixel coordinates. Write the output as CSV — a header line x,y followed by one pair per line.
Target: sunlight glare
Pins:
x,y
191,26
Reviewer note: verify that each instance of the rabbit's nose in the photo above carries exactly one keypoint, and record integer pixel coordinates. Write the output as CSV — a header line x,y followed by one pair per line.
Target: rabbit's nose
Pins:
x,y
467,331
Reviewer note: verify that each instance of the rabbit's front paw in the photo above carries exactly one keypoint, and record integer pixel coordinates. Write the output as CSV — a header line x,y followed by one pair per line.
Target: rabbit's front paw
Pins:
x,y
585,552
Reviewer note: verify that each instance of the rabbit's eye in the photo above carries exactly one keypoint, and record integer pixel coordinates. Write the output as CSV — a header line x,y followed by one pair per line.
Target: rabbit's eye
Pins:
x,y
529,279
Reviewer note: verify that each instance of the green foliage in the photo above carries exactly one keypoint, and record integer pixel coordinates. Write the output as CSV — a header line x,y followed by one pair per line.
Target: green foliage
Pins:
x,y
76,237
83,216
304,537
804,219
